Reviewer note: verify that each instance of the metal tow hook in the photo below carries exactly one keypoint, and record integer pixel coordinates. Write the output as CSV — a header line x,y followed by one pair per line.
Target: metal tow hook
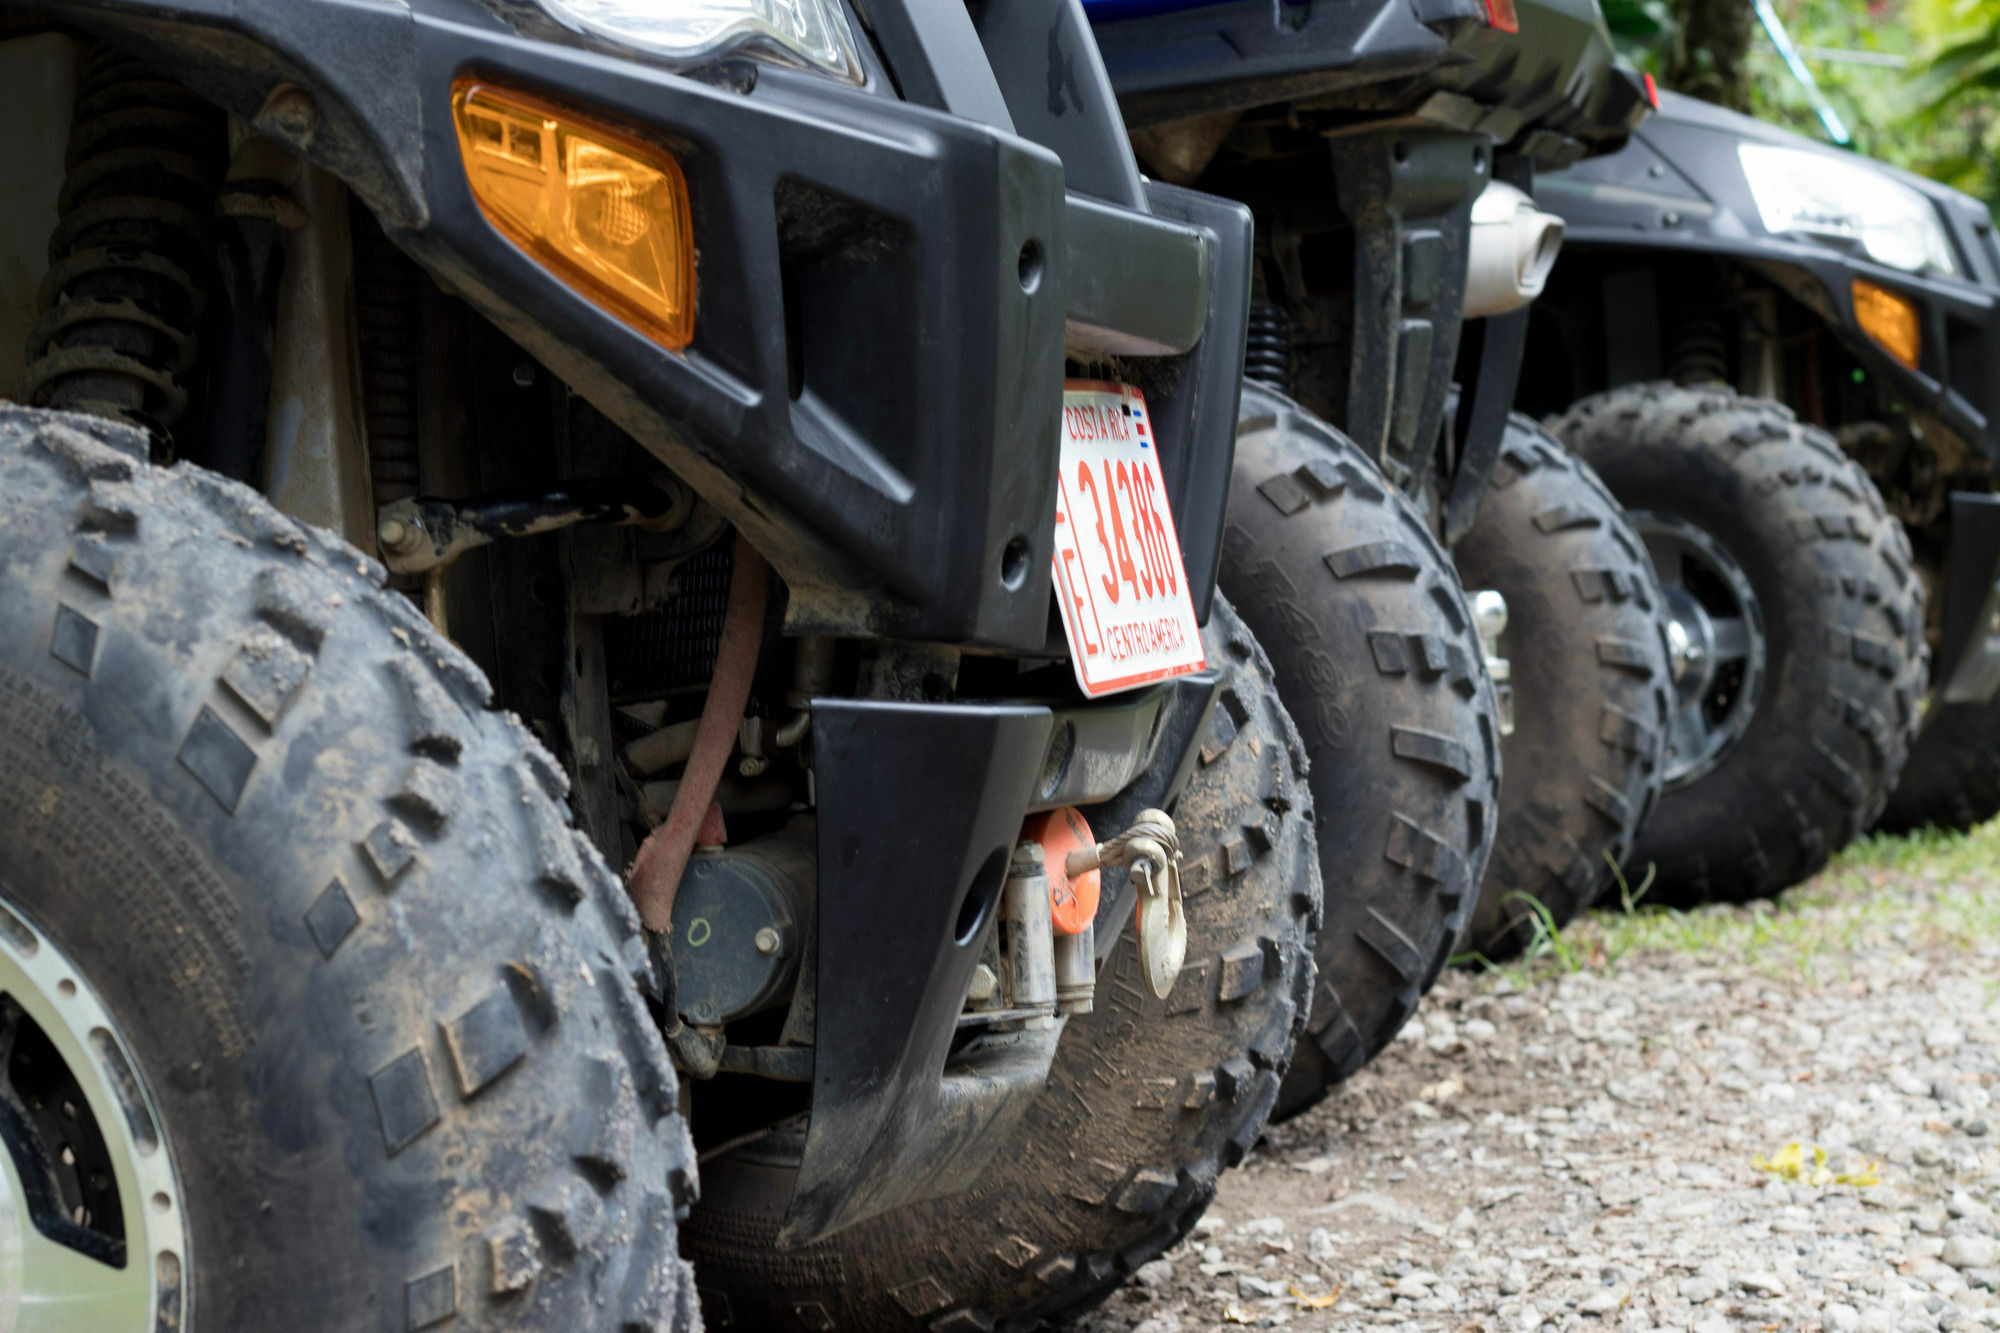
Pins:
x,y
1153,851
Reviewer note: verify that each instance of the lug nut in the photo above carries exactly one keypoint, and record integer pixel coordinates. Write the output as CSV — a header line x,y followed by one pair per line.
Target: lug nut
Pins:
x,y
768,940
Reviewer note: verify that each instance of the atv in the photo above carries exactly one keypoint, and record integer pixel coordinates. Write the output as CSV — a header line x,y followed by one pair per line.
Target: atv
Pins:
x,y
1386,151
1778,355
467,445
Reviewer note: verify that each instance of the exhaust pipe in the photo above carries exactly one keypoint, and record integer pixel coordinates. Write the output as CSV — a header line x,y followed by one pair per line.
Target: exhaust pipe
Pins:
x,y
1513,247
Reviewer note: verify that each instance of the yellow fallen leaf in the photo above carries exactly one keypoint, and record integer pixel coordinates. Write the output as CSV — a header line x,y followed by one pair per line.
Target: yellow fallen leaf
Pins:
x,y
1861,1179
1314,1302
1786,1163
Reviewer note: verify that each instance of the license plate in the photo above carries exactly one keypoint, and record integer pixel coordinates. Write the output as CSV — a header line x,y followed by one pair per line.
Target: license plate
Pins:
x,y
1126,607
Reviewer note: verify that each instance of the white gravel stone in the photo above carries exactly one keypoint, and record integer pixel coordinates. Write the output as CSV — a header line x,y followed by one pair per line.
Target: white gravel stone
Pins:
x,y
1970,1251
1559,1176
1700,1289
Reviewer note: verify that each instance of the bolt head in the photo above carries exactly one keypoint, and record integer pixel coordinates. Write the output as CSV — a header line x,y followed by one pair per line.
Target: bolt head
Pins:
x,y
769,941
292,113
984,983
394,533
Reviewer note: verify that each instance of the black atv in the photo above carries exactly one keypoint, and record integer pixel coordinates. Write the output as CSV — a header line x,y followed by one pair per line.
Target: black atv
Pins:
x,y
465,444
1386,150
1780,356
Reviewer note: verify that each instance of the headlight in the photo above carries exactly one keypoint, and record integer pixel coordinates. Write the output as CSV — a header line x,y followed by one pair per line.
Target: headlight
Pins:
x,y
1818,194
812,33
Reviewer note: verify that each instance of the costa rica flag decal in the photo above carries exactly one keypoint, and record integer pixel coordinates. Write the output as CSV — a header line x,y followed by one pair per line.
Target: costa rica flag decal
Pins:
x,y
1137,411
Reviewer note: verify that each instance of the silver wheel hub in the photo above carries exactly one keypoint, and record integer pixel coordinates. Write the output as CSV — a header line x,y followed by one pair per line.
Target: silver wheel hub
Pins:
x,y
1715,642
92,1236
1690,643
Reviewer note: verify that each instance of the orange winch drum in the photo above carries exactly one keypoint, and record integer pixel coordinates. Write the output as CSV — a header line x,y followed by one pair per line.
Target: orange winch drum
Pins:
x,y
1072,902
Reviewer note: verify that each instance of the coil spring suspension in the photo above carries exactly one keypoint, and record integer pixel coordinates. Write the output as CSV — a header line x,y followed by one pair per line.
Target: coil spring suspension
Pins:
x,y
1701,352
1267,349
385,287
130,257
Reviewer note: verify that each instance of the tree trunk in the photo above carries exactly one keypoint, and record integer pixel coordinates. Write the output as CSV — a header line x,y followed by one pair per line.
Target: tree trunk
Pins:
x,y
1708,59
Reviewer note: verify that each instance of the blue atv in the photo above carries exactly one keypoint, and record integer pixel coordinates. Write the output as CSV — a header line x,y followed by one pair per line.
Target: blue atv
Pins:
x,y
1387,152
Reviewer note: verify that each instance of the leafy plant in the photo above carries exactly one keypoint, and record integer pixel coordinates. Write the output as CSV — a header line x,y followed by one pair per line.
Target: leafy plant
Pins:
x,y
1788,1163
1547,941
1629,898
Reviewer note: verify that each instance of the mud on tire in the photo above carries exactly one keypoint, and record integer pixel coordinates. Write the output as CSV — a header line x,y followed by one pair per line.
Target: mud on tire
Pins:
x,y
384,998
1378,661
1841,614
1148,1100
1592,697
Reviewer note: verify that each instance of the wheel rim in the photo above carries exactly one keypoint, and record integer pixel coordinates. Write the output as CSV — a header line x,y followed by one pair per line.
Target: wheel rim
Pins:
x,y
1715,642
91,1229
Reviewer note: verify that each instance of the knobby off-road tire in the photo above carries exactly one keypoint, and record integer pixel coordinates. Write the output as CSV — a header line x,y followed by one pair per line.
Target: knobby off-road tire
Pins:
x,y
1839,628
1592,698
1147,1102
1379,662
382,996
1952,779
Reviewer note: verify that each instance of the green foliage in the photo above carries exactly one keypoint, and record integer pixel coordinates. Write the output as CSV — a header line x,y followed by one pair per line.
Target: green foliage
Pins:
x,y
1938,113
1926,890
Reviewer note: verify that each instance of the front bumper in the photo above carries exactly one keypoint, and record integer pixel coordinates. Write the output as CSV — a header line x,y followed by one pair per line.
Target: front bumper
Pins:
x,y
874,388
1679,188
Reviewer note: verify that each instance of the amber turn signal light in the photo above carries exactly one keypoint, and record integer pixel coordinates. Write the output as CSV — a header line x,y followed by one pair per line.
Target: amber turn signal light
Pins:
x,y
1889,319
602,211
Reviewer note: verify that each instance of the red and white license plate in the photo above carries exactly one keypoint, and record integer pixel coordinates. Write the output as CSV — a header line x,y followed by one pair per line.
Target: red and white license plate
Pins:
x,y
1126,608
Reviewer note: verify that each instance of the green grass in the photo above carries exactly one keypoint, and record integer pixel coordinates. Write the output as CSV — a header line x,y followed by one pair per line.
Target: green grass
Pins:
x,y
1925,891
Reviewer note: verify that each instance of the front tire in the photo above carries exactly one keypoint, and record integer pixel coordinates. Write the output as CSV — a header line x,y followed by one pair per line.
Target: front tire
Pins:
x,y
367,992
1378,660
1799,627
1147,1102
1592,697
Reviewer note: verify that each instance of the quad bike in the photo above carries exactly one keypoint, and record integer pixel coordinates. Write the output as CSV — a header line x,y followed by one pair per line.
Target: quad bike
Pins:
x,y
1779,356
466,444
1385,150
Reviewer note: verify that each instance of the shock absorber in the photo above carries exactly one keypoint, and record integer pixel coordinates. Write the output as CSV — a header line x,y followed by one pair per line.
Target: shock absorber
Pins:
x,y
1267,349
1701,352
130,257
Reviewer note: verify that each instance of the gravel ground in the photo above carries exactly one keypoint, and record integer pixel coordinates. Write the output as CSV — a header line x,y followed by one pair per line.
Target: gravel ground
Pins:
x,y
1575,1143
